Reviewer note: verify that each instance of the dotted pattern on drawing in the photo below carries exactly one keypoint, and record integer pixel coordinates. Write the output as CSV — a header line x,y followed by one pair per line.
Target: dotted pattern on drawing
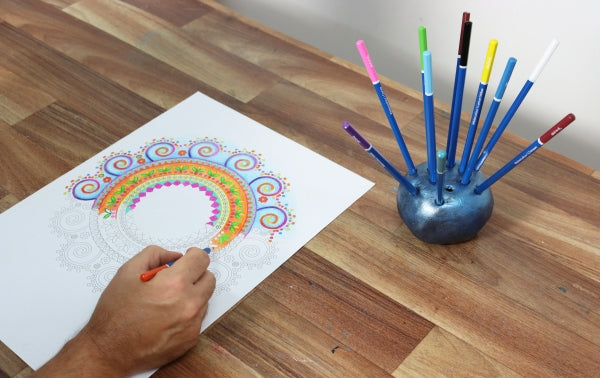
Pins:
x,y
176,195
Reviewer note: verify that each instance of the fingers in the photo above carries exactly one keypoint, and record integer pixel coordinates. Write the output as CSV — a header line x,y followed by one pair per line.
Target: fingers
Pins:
x,y
150,258
205,285
192,265
203,290
153,256
168,256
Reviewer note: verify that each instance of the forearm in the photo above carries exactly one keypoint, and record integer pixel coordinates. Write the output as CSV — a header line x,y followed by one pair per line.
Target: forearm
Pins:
x,y
80,357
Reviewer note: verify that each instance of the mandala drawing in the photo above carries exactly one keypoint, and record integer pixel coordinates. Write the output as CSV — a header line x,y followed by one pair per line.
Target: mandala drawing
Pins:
x,y
176,195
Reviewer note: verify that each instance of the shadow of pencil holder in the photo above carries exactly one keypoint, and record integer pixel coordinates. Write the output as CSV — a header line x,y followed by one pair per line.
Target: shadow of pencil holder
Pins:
x,y
457,220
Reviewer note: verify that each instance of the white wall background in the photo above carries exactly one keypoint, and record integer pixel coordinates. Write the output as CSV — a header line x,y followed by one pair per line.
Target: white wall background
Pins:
x,y
568,84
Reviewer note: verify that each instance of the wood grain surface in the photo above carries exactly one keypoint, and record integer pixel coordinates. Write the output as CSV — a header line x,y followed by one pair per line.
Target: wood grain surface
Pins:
x,y
364,297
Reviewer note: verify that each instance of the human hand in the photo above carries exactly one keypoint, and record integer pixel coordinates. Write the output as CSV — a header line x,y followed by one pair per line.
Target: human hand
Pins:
x,y
137,325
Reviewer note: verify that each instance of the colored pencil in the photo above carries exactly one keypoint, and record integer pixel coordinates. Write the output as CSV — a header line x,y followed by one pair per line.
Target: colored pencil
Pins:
x,y
441,166
459,86
364,143
422,31
148,275
429,116
465,17
483,84
553,131
364,54
515,105
489,119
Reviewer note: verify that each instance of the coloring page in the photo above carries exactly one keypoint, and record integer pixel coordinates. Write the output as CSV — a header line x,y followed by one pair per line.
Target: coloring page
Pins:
x,y
200,174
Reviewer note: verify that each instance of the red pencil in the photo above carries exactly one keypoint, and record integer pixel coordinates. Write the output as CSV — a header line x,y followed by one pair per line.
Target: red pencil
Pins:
x,y
526,152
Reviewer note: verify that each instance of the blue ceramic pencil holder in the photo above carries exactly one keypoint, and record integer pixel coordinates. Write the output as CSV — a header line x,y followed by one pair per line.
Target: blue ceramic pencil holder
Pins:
x,y
458,219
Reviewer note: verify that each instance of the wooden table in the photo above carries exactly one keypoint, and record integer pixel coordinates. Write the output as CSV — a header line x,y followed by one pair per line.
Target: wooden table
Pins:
x,y
364,297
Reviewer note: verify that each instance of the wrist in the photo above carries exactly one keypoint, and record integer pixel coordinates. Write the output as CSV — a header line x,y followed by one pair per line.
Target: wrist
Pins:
x,y
80,357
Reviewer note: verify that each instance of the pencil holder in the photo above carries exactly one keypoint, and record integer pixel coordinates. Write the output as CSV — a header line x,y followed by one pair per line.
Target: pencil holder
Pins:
x,y
462,214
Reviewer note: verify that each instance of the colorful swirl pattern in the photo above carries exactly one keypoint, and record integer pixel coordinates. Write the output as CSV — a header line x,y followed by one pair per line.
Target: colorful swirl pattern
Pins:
x,y
118,165
242,195
86,189
242,162
203,149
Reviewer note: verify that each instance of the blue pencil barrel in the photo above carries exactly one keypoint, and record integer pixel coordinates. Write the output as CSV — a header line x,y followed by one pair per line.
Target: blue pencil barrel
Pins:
x,y
507,167
430,137
505,121
455,117
440,168
440,185
485,129
429,115
395,129
487,124
452,110
393,171
473,126
454,87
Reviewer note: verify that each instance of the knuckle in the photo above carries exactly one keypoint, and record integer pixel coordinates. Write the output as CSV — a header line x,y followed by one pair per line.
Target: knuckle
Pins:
x,y
200,253
190,311
177,283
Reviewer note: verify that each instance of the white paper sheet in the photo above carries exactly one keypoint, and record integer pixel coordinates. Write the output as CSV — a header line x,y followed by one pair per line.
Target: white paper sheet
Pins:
x,y
63,244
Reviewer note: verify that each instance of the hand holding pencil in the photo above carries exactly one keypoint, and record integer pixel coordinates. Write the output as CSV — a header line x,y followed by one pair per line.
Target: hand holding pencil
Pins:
x,y
138,326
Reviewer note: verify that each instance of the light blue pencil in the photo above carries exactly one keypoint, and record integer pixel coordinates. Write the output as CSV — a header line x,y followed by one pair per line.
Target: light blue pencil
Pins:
x,y
489,119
